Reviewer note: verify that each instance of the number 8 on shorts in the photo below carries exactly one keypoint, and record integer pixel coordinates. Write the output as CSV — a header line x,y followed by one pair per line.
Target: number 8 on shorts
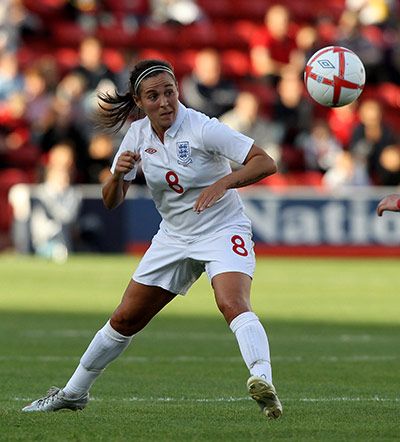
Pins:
x,y
239,245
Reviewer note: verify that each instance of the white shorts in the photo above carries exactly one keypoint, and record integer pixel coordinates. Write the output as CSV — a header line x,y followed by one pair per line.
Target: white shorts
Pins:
x,y
175,265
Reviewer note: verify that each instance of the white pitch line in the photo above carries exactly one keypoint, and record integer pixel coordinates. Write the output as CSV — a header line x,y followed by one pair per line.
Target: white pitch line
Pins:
x,y
227,359
232,399
195,336
347,399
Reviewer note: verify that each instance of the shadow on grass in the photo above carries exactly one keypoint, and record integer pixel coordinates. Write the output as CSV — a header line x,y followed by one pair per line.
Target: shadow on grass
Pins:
x,y
182,378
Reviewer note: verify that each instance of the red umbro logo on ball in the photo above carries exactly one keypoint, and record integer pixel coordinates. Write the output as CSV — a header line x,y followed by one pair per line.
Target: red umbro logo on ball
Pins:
x,y
150,150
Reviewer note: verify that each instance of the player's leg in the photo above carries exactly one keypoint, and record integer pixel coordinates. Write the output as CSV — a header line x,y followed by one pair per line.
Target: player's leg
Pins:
x,y
232,294
139,305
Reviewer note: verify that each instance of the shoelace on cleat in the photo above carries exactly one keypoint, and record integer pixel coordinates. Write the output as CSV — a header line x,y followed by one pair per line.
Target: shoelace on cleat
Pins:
x,y
50,396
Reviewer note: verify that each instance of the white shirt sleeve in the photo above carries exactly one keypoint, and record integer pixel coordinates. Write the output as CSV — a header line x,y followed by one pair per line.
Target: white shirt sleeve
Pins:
x,y
221,139
128,143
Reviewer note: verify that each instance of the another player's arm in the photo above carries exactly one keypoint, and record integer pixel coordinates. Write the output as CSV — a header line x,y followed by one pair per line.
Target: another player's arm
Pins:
x,y
115,188
257,165
390,202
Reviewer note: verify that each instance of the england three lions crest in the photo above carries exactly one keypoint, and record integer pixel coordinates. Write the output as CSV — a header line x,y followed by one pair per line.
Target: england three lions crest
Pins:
x,y
184,153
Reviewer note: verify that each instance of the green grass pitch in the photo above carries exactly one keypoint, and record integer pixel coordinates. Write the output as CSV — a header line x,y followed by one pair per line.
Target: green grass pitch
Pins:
x,y
333,326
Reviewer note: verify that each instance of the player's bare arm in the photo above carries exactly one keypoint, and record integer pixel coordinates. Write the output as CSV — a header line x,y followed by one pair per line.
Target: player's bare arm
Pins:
x,y
257,165
115,188
390,202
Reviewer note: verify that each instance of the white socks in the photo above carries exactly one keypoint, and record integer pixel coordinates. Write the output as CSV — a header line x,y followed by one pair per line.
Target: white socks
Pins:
x,y
106,346
253,344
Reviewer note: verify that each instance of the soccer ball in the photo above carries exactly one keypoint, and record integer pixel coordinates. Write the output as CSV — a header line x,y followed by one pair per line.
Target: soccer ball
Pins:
x,y
334,76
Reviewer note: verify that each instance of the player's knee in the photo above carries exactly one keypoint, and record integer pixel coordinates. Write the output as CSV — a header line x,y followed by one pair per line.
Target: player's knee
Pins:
x,y
231,307
123,324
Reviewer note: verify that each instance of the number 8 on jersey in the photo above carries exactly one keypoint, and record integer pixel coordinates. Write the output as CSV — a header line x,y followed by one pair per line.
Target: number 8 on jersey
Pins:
x,y
173,182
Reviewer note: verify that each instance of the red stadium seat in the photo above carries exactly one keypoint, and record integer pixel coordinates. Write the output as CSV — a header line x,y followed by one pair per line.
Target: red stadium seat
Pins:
x,y
253,10
67,59
230,35
198,35
9,177
136,7
244,29
67,33
184,62
46,8
118,35
314,8
235,9
305,178
216,9
113,59
235,63
160,36
158,54
265,93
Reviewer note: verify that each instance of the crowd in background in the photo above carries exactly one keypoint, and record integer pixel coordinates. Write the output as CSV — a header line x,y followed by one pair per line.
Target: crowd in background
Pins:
x,y
240,61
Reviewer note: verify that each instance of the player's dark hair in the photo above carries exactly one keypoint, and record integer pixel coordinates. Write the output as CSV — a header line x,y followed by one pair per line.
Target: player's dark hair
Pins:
x,y
115,109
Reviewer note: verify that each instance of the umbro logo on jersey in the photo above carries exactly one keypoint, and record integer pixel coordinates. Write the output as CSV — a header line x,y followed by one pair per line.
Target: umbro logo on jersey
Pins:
x,y
150,150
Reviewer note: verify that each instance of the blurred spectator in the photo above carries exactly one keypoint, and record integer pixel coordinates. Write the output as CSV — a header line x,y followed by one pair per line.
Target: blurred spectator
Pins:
x,y
61,127
70,91
371,136
17,150
46,217
206,90
326,27
61,156
394,57
320,147
131,57
307,43
20,200
11,80
388,169
91,65
245,118
55,207
342,121
48,67
55,210
182,12
370,12
86,13
12,17
101,152
38,101
371,53
273,46
294,114
346,171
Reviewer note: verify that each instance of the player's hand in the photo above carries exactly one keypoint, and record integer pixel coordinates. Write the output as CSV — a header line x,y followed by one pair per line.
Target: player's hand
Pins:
x,y
126,162
390,202
209,196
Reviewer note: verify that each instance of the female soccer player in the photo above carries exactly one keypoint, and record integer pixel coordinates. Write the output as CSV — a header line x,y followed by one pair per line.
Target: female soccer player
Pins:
x,y
185,159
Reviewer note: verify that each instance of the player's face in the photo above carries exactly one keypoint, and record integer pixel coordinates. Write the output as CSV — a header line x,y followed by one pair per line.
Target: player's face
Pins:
x,y
158,98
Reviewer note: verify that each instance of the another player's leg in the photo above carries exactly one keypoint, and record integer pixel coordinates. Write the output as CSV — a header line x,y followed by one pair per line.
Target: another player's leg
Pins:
x,y
232,292
139,305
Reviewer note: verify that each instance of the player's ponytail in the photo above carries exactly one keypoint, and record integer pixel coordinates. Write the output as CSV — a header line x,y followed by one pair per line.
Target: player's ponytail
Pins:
x,y
115,109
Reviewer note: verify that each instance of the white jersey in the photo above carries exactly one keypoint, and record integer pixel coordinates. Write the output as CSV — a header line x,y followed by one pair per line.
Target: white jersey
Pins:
x,y
195,154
